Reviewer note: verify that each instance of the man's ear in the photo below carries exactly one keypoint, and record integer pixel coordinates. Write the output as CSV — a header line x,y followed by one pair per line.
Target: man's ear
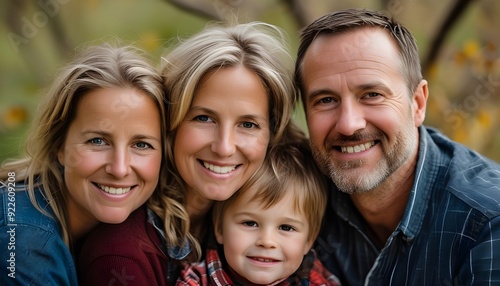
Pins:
x,y
419,102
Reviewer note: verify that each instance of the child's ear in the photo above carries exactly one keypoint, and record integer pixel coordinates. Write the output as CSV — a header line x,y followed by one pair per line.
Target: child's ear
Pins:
x,y
218,235
308,245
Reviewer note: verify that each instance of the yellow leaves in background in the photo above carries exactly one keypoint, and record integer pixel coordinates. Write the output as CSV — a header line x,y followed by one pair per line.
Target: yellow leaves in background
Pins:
x,y
468,98
478,130
14,116
149,41
469,51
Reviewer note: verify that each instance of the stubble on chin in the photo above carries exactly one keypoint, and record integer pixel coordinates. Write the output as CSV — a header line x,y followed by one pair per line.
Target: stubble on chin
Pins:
x,y
348,175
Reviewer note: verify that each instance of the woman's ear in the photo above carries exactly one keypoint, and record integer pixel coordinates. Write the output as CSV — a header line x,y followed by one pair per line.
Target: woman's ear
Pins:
x,y
60,157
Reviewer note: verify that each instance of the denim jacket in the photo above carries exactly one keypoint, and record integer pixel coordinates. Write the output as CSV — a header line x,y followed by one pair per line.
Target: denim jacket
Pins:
x,y
32,251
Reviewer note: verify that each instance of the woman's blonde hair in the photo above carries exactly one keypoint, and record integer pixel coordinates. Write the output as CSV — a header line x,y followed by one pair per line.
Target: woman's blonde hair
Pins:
x,y
96,67
260,47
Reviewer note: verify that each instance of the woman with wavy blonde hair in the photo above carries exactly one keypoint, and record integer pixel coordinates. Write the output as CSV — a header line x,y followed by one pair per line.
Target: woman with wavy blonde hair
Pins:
x,y
230,98
93,155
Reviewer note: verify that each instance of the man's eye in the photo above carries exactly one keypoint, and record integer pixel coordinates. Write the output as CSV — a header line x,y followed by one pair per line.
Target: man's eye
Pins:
x,y
373,94
326,100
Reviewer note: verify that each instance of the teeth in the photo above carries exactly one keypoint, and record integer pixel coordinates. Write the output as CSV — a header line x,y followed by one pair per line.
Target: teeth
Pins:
x,y
219,169
264,259
114,191
357,148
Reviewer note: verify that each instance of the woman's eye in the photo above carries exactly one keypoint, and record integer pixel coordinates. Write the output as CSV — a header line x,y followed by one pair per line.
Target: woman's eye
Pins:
x,y
143,145
202,118
249,125
97,141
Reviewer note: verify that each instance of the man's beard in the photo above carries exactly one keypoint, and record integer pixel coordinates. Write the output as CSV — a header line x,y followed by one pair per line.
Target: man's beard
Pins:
x,y
350,179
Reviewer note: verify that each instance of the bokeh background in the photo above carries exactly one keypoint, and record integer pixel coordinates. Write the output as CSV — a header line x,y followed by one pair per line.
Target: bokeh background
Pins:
x,y
459,43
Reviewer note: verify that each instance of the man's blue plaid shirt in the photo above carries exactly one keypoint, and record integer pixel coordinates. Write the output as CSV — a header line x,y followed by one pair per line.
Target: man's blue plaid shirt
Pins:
x,y
449,234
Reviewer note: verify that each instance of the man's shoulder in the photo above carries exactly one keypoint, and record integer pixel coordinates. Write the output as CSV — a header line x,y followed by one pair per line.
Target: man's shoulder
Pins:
x,y
470,176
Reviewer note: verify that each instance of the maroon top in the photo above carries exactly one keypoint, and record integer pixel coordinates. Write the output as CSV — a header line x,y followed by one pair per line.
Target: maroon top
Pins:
x,y
124,254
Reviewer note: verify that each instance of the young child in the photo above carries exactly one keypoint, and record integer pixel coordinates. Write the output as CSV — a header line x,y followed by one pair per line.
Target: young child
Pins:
x,y
267,228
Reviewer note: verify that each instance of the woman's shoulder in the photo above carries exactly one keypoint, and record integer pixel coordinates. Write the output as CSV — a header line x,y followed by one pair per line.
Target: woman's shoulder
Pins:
x,y
18,209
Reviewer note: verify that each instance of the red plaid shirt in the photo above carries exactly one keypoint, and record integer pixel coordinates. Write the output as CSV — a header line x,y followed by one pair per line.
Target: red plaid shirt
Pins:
x,y
211,272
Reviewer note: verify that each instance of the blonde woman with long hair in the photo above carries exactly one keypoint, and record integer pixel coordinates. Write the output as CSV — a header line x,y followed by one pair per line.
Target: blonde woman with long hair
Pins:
x,y
94,155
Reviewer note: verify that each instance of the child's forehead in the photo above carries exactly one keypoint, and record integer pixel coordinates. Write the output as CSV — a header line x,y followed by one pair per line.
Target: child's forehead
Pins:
x,y
268,197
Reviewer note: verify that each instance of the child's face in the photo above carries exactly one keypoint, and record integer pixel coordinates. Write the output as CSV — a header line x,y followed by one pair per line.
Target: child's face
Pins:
x,y
264,245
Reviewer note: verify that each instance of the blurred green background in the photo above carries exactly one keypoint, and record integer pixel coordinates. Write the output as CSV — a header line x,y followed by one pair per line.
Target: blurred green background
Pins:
x,y
459,44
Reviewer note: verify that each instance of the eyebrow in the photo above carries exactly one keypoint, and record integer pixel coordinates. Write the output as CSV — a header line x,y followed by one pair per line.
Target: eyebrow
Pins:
x,y
317,92
365,86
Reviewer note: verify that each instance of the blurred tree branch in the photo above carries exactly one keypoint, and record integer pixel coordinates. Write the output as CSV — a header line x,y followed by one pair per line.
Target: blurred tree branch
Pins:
x,y
24,31
200,8
299,11
14,23
456,11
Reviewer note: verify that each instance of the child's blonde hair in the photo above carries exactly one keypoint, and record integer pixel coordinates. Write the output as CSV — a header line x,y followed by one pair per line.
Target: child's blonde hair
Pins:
x,y
288,169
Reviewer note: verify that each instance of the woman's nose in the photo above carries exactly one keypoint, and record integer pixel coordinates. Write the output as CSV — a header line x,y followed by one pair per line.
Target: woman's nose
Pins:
x,y
224,143
119,163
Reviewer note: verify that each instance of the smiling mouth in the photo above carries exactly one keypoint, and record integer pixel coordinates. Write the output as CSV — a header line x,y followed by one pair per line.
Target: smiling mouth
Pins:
x,y
219,169
356,148
261,259
114,191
